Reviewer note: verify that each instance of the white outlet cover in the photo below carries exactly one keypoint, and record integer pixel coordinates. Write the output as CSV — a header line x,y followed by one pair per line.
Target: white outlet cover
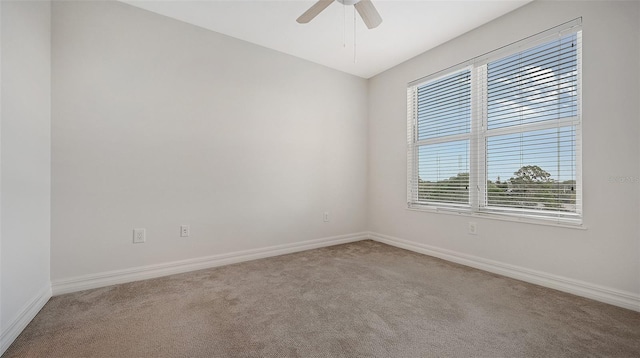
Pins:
x,y
139,236
473,229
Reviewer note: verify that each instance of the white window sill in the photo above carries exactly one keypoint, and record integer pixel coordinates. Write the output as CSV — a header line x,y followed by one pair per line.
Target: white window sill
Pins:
x,y
555,222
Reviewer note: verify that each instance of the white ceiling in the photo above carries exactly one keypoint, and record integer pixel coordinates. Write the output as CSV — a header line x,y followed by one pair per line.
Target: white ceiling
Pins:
x,y
408,28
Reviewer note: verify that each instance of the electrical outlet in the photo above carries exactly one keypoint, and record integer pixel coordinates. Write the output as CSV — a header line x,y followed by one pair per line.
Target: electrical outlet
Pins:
x,y
184,230
325,216
473,229
139,236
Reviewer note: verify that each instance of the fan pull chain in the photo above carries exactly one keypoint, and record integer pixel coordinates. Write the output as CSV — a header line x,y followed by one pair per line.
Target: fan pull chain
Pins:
x,y
344,26
355,60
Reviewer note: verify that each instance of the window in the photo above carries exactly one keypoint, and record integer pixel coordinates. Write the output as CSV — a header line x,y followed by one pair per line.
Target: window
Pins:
x,y
500,134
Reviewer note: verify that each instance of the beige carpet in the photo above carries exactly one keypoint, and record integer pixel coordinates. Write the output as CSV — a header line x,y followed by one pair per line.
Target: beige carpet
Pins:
x,y
363,299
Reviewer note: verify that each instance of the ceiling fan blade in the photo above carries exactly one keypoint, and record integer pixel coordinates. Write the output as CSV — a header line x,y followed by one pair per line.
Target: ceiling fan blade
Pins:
x,y
314,11
369,14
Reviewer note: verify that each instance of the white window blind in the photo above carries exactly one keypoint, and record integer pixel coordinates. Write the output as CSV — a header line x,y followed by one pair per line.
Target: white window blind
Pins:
x,y
500,134
443,125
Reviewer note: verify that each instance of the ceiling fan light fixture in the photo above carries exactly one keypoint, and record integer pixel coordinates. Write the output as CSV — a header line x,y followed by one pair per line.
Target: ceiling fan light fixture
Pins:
x,y
365,8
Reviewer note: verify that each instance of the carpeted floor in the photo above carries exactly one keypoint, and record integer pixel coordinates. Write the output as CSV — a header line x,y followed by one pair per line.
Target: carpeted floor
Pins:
x,y
363,299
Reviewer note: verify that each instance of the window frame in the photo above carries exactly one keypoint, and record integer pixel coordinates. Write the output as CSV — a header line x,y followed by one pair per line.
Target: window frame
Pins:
x,y
417,143
479,135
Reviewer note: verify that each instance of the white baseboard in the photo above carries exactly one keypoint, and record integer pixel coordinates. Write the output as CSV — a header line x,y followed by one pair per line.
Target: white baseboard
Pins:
x,y
580,288
26,314
152,271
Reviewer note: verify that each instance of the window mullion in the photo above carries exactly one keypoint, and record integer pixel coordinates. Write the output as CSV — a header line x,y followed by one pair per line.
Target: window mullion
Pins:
x,y
477,180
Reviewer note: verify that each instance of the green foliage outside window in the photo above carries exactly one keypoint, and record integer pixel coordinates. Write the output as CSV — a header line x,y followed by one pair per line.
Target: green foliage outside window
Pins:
x,y
531,186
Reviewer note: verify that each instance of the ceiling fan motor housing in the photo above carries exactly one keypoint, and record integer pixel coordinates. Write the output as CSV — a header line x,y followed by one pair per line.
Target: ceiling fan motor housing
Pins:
x,y
365,8
348,2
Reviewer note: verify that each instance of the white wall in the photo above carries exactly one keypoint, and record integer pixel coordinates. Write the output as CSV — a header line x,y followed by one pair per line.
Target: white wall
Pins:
x,y
25,164
157,123
605,255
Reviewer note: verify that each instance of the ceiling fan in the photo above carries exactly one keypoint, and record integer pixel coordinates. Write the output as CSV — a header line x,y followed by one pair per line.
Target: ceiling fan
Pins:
x,y
365,8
